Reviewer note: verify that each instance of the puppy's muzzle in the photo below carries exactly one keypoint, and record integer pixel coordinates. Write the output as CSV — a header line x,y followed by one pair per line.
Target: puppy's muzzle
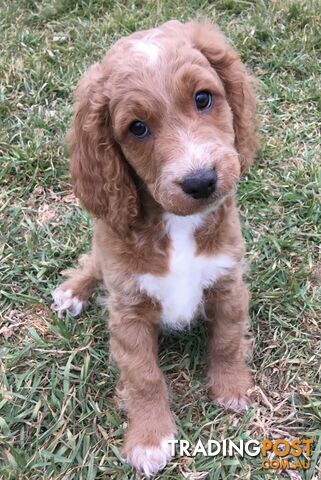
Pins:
x,y
200,184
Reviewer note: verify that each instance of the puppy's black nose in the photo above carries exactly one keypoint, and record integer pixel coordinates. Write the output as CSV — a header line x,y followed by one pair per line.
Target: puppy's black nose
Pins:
x,y
201,184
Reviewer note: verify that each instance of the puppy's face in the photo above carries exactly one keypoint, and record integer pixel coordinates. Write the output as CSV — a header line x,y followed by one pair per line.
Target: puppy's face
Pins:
x,y
175,104
172,121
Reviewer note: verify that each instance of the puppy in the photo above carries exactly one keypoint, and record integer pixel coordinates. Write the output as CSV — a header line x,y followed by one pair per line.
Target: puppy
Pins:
x,y
163,128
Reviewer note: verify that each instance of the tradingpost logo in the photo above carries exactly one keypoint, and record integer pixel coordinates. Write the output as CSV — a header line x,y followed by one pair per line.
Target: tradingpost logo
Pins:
x,y
276,454
286,454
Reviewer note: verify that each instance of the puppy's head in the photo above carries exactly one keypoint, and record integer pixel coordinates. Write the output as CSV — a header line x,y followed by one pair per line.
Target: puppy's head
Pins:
x,y
173,107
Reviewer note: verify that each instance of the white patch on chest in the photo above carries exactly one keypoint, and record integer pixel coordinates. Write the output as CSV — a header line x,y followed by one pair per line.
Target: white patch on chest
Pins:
x,y
180,292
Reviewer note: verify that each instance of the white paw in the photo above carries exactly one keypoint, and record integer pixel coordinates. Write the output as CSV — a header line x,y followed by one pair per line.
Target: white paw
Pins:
x,y
64,301
238,403
150,460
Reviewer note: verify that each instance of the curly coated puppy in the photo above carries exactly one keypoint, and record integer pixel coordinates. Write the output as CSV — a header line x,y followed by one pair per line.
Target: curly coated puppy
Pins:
x,y
163,128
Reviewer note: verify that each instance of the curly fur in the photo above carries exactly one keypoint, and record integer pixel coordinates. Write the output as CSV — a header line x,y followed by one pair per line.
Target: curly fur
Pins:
x,y
99,173
238,86
157,249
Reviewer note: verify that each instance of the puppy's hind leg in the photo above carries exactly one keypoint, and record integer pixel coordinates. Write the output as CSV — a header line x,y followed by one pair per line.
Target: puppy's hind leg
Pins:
x,y
73,294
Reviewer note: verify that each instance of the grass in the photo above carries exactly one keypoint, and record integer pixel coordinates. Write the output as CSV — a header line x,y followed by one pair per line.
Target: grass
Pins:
x,y
59,418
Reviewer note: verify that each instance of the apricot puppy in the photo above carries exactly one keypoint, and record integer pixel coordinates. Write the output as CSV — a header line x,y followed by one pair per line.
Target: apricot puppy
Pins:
x,y
163,128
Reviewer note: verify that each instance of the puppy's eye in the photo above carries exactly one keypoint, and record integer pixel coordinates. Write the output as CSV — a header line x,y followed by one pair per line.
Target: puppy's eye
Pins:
x,y
203,100
139,129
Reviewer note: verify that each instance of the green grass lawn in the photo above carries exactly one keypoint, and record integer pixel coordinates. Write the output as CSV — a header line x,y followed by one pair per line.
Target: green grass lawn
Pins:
x,y
59,417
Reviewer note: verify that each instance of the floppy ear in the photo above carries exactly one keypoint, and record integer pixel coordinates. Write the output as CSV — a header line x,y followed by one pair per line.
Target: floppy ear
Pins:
x,y
238,84
99,172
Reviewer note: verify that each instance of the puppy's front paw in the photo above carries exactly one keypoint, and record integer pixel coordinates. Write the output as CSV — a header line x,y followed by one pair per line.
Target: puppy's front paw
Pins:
x,y
231,390
233,400
150,459
65,301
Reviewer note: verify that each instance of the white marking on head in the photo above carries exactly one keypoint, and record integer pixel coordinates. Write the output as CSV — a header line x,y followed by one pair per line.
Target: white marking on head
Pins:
x,y
192,155
198,155
148,48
